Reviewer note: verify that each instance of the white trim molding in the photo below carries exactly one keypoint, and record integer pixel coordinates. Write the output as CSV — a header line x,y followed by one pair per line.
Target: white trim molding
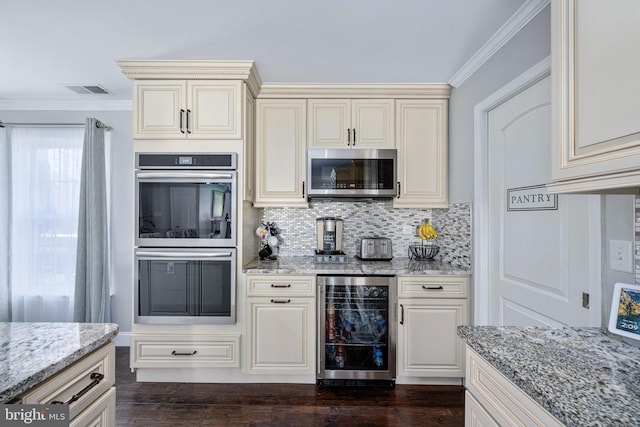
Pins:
x,y
374,90
193,70
64,105
514,24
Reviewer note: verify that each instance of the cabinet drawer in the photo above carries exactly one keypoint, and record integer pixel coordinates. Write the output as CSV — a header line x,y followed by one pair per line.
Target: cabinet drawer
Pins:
x,y
281,286
101,413
505,402
94,372
179,351
433,286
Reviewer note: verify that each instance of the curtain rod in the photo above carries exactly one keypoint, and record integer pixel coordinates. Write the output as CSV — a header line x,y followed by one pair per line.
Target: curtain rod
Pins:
x,y
98,124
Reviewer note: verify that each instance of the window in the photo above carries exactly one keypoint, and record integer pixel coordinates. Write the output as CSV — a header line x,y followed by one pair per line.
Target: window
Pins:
x,y
42,186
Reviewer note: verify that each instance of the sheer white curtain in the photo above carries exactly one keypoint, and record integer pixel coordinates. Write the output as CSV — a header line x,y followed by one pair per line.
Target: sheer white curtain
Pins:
x,y
43,217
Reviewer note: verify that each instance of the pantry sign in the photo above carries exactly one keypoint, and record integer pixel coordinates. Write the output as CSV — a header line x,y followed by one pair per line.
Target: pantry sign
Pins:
x,y
534,198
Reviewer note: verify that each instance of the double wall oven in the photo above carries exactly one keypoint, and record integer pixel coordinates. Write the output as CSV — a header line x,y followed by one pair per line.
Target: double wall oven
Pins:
x,y
186,222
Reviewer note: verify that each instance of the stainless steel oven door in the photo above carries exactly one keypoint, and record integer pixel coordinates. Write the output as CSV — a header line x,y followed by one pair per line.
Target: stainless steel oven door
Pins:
x,y
185,286
186,208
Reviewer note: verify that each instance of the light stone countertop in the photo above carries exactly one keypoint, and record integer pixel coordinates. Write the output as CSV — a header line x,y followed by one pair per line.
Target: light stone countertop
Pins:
x,y
353,266
32,352
583,376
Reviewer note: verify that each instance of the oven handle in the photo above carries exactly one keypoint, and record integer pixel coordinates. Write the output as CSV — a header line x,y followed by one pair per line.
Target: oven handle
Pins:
x,y
203,175
190,255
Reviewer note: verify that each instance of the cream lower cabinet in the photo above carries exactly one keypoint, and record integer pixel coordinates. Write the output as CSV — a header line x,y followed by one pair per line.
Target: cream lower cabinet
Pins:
x,y
281,325
595,95
430,308
281,153
188,109
188,350
351,123
492,400
88,387
422,143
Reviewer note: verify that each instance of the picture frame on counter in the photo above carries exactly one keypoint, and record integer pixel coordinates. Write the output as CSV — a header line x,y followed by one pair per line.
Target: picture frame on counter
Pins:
x,y
624,319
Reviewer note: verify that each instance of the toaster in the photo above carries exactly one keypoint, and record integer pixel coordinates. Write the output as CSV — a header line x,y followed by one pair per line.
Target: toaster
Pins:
x,y
375,248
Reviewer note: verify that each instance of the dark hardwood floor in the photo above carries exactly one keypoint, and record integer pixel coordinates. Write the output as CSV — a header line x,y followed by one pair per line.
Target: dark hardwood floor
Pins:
x,y
182,404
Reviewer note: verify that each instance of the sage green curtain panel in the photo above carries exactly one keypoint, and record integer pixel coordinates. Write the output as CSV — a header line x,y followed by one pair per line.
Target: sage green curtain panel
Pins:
x,y
92,265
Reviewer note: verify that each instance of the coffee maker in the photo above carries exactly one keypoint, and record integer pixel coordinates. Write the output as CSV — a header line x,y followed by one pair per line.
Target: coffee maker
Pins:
x,y
329,235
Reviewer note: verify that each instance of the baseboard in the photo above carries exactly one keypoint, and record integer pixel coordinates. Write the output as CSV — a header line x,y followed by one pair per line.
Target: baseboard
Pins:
x,y
123,339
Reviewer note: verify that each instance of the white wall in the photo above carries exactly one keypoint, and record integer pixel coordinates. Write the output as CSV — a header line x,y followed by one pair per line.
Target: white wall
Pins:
x,y
121,192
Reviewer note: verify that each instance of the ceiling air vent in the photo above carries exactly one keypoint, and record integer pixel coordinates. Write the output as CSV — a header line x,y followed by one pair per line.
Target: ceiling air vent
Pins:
x,y
88,89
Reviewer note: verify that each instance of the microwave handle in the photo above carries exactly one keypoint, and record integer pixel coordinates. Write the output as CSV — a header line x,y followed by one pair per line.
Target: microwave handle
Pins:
x,y
205,175
184,254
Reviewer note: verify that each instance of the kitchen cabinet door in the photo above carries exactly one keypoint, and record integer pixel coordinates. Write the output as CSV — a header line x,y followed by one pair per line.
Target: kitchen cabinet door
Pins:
x,y
282,335
595,95
428,345
372,123
355,123
159,109
421,138
280,153
188,109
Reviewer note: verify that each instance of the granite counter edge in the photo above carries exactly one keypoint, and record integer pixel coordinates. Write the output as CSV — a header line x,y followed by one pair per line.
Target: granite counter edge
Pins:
x,y
47,372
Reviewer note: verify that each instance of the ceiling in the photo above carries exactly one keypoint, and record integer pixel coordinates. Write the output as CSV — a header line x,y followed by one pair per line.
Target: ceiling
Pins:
x,y
49,44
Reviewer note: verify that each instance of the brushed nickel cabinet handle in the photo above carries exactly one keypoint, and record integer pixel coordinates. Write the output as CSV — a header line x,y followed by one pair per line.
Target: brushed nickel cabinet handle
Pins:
x,y
188,126
288,285
280,301
96,377
432,288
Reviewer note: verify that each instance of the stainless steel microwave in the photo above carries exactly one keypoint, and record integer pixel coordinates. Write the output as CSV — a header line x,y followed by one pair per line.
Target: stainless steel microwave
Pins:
x,y
351,173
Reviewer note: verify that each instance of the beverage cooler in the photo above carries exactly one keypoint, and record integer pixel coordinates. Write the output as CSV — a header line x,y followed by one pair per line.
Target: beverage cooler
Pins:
x,y
356,330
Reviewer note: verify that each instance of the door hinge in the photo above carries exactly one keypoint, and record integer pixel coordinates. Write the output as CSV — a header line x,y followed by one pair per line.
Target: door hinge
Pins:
x,y
585,300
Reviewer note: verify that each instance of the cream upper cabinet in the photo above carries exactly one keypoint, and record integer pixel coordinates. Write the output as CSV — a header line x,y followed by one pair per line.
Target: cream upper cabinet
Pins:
x,y
351,123
595,66
188,109
280,153
421,140
429,311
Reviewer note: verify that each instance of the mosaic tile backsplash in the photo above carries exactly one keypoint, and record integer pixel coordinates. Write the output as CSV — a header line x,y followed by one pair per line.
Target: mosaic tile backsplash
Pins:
x,y
375,218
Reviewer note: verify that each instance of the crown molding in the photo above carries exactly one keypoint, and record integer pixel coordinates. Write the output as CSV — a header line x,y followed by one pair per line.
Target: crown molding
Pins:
x,y
515,23
64,105
194,70
400,90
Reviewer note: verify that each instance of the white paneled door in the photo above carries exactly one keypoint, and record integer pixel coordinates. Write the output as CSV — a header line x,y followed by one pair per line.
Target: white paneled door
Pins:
x,y
539,247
